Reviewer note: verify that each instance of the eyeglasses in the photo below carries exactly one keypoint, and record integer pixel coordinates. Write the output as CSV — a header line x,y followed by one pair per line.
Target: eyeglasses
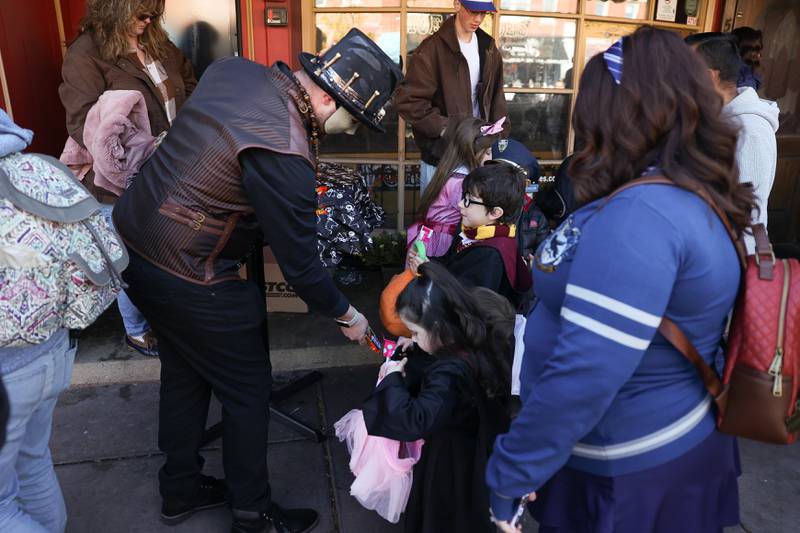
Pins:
x,y
145,16
469,201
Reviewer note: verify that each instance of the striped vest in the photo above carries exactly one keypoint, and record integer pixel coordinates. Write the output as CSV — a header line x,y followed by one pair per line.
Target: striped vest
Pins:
x,y
186,211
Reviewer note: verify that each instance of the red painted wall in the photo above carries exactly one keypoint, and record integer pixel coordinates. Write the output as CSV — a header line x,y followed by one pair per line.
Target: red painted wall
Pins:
x,y
29,42
272,43
31,49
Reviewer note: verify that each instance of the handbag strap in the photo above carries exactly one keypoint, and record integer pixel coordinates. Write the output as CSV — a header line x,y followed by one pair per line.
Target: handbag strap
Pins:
x,y
669,329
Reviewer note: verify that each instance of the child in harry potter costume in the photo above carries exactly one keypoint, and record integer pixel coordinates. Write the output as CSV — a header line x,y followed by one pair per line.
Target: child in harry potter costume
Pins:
x,y
485,253
457,402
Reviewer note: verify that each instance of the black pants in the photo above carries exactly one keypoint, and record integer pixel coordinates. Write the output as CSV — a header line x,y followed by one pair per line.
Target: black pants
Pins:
x,y
211,338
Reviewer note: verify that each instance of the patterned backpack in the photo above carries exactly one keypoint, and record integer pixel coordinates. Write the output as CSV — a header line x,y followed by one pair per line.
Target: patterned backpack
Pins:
x,y
59,258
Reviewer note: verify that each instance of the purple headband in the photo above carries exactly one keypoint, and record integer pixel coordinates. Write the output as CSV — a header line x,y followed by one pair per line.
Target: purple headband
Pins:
x,y
613,58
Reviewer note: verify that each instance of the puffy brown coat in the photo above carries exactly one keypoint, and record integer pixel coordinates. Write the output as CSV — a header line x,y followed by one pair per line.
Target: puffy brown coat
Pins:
x,y
436,88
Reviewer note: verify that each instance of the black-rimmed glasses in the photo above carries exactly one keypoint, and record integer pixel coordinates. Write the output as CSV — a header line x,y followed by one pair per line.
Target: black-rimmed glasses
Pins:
x,y
469,201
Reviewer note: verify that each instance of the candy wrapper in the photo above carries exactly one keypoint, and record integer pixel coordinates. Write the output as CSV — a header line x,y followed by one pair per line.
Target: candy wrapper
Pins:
x,y
374,341
389,348
423,238
425,234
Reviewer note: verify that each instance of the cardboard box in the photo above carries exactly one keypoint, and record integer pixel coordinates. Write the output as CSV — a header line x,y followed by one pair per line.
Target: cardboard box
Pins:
x,y
281,297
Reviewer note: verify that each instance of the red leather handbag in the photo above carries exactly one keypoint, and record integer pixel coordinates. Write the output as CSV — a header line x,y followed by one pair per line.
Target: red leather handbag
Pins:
x,y
757,397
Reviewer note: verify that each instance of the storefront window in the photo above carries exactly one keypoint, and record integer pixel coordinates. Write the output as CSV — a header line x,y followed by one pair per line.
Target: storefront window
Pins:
x,y
540,122
600,35
539,41
549,6
445,4
629,9
537,52
356,3
422,25
678,11
383,28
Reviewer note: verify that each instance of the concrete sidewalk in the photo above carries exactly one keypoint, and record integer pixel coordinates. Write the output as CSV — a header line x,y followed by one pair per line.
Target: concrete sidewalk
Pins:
x,y
104,446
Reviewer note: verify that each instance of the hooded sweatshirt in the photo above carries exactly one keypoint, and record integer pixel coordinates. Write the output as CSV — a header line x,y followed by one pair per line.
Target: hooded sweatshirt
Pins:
x,y
756,149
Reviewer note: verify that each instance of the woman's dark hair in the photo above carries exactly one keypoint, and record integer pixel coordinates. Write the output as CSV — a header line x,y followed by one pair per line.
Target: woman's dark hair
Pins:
x,y
664,113
746,34
464,144
699,38
474,324
722,55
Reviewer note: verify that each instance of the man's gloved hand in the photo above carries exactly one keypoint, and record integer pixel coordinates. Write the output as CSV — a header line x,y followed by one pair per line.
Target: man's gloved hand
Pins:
x,y
357,331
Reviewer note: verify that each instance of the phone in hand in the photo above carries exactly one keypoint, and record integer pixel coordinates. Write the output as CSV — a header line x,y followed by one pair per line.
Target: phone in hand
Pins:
x,y
516,520
374,341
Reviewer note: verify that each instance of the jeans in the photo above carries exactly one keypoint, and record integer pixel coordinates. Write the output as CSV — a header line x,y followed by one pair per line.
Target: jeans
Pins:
x,y
30,496
134,321
426,172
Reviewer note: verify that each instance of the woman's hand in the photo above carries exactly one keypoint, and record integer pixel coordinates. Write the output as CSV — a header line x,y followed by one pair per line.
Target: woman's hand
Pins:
x,y
506,527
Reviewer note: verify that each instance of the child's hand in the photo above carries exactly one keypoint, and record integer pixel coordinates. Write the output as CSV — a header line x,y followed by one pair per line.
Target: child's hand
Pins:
x,y
392,366
404,343
414,261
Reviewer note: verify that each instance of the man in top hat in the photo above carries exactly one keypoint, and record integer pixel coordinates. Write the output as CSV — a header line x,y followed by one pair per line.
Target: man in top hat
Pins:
x,y
236,170
457,72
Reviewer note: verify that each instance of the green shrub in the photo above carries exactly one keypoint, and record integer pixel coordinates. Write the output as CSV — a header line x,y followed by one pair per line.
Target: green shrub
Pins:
x,y
388,249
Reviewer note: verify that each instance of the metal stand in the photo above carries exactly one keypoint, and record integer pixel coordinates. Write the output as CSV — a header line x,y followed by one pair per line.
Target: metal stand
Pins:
x,y
255,271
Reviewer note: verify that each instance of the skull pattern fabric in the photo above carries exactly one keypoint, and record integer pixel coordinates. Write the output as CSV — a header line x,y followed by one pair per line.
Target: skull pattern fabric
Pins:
x,y
346,214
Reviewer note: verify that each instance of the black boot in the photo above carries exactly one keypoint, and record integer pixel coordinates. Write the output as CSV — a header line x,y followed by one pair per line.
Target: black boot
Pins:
x,y
277,519
211,494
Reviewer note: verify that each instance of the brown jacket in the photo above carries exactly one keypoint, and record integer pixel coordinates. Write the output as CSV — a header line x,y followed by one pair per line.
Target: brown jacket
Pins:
x,y
87,75
437,88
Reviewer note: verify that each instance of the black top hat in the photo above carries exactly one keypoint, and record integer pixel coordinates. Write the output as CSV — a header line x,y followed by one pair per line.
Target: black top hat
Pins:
x,y
358,74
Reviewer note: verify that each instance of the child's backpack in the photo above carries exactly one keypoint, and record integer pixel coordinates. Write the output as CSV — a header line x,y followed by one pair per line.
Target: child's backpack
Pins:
x,y
59,258
757,397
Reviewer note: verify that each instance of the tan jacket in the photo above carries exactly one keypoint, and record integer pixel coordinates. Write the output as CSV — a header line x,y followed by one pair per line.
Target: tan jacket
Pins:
x,y
437,88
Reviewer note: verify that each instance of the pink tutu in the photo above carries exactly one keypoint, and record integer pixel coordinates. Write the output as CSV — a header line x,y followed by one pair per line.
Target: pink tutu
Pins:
x,y
383,467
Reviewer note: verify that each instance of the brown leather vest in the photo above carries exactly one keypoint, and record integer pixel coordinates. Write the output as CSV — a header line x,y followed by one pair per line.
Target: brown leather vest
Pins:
x,y
186,211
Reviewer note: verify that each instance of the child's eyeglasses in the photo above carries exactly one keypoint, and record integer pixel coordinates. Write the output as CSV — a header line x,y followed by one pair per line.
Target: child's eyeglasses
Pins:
x,y
469,201
145,16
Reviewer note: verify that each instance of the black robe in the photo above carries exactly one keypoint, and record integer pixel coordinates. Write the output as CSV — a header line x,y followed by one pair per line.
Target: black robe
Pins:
x,y
483,266
439,401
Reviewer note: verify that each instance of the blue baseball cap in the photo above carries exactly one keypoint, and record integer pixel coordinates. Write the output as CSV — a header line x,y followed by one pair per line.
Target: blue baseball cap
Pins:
x,y
481,6
517,153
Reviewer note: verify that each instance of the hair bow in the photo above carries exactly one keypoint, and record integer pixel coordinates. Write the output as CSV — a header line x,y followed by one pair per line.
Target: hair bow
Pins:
x,y
613,59
494,128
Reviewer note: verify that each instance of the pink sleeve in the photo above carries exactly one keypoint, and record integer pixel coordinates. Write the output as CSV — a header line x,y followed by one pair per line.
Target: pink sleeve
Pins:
x,y
452,191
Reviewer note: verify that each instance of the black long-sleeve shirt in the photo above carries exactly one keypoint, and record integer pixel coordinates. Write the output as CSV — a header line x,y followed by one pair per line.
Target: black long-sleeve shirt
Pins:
x,y
282,190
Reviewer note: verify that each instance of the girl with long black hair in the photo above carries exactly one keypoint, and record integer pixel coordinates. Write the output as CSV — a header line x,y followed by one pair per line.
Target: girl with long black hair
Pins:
x,y
456,400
